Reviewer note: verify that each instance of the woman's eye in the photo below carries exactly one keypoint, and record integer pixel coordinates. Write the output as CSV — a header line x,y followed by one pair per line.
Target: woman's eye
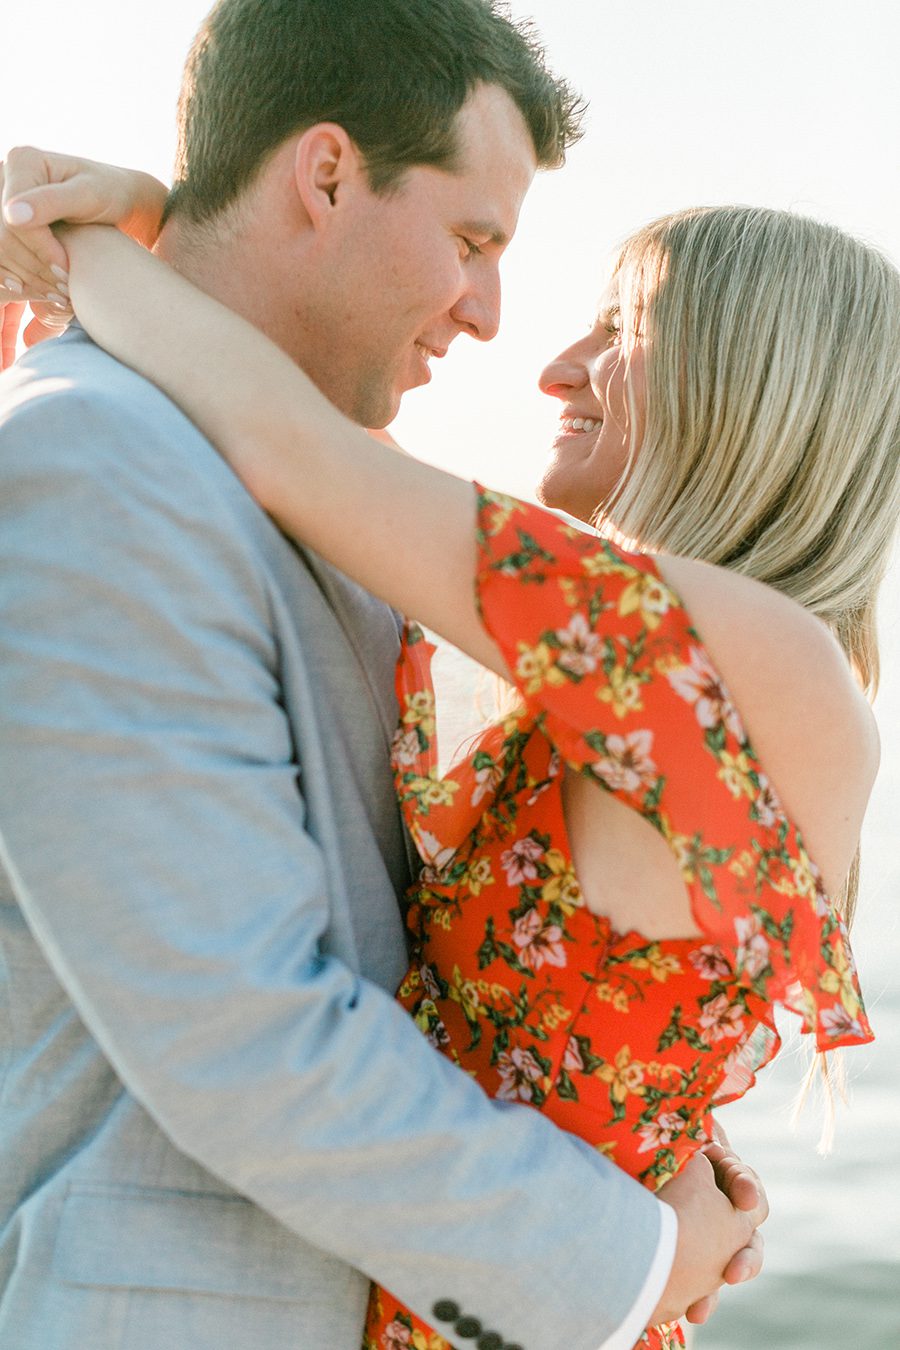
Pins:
x,y
611,322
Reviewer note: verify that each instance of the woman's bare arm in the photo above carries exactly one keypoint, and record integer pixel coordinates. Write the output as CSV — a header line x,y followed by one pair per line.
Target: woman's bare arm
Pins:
x,y
401,528
406,530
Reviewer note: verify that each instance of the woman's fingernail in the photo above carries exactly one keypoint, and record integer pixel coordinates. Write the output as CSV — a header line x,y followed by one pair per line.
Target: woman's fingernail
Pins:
x,y
59,301
18,213
13,284
63,289
60,273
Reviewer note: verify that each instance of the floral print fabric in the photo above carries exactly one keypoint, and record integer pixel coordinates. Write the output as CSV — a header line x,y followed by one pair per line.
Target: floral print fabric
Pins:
x,y
625,1041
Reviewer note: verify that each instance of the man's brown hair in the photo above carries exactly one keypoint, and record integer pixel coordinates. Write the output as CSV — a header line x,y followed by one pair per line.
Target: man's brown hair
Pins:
x,y
393,73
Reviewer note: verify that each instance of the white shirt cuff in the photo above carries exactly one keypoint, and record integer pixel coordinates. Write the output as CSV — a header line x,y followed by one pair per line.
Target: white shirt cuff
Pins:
x,y
631,1330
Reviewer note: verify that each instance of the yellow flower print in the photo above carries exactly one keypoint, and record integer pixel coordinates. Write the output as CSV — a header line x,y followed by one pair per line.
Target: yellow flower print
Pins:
x,y
601,564
607,1148
650,596
419,1340
479,875
625,1076
661,1073
420,711
411,983
744,865
503,509
562,887
623,692
555,1016
734,772
660,965
838,979
617,997
433,791
572,591
536,667
804,875
686,853
465,993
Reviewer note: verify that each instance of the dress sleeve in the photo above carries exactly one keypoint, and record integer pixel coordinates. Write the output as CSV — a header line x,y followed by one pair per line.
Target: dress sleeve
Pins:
x,y
607,659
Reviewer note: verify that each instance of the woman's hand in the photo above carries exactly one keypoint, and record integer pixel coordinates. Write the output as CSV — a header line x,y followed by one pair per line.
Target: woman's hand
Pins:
x,y
40,188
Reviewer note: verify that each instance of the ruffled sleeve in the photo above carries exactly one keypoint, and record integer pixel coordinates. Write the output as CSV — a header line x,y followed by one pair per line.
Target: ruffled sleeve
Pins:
x,y
608,661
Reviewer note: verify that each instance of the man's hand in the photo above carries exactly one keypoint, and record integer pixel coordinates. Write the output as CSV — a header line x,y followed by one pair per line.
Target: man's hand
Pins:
x,y
720,1204
746,1192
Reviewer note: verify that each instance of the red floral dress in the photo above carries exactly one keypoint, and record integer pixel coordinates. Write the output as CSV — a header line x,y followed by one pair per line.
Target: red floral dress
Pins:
x,y
624,1041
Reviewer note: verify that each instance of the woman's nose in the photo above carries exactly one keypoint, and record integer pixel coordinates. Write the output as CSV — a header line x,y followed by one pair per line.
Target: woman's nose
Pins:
x,y
566,373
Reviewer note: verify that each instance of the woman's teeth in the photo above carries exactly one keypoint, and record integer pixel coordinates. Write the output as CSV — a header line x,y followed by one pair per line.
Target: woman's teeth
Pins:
x,y
581,423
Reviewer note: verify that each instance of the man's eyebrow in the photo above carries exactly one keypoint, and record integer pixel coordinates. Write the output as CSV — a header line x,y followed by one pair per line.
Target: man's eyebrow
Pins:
x,y
485,229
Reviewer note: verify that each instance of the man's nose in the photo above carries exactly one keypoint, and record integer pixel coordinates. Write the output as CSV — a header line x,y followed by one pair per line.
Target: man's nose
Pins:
x,y
478,309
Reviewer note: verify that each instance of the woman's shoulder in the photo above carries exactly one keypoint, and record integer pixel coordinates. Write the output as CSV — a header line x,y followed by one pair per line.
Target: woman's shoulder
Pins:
x,y
805,713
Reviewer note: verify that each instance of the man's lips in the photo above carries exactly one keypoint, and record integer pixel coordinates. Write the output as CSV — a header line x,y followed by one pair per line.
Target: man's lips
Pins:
x,y
427,352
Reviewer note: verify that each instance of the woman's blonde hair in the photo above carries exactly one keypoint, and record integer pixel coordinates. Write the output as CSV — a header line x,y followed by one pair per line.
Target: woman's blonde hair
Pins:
x,y
771,440
771,432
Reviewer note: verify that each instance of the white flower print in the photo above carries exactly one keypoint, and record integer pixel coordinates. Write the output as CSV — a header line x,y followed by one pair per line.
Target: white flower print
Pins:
x,y
519,861
710,962
720,1018
405,748
700,683
433,853
519,1071
661,1131
539,942
627,765
753,954
581,648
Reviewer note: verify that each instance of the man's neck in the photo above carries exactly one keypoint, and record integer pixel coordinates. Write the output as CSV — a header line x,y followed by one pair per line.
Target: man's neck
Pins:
x,y
218,267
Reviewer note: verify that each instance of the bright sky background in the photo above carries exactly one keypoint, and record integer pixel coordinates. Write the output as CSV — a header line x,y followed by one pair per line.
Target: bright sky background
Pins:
x,y
789,103
792,103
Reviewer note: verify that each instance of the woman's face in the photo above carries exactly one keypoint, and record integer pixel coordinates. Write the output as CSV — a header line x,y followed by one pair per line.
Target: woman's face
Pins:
x,y
590,452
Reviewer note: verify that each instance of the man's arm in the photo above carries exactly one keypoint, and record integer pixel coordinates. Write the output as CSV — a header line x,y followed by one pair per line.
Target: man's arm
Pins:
x,y
152,826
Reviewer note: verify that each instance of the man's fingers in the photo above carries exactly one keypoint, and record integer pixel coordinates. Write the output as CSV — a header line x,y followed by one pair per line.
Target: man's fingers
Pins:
x,y
747,1263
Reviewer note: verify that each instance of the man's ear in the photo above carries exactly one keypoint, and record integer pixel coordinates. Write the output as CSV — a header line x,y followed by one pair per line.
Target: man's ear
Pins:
x,y
326,164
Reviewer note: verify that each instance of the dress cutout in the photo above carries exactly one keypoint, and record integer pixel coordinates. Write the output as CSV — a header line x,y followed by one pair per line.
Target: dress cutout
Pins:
x,y
624,1041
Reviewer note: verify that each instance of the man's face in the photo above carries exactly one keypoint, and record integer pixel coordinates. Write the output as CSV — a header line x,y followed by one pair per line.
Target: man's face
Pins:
x,y
410,270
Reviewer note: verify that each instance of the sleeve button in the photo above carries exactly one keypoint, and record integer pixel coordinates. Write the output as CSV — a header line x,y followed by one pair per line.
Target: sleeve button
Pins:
x,y
490,1341
446,1310
467,1328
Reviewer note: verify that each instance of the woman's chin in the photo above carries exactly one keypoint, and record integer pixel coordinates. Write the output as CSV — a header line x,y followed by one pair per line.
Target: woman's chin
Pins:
x,y
557,491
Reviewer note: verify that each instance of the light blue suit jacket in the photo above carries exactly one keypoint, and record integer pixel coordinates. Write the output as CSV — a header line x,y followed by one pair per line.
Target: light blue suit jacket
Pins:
x,y
215,1123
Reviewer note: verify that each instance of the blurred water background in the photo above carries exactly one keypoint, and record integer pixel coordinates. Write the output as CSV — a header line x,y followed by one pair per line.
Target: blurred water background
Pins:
x,y
832,1272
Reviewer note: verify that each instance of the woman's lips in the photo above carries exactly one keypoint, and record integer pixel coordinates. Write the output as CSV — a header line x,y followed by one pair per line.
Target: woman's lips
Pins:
x,y
580,425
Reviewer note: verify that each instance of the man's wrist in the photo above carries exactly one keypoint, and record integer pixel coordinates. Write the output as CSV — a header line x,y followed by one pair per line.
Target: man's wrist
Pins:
x,y
629,1331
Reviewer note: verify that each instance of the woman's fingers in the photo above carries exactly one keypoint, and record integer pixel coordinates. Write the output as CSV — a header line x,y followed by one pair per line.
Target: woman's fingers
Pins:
x,y
10,319
35,192
25,274
48,322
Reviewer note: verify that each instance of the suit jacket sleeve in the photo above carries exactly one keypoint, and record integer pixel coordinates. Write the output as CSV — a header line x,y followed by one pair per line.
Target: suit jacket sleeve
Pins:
x,y
151,822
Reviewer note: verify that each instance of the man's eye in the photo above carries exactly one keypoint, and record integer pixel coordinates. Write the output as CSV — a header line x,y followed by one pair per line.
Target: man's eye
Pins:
x,y
472,249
